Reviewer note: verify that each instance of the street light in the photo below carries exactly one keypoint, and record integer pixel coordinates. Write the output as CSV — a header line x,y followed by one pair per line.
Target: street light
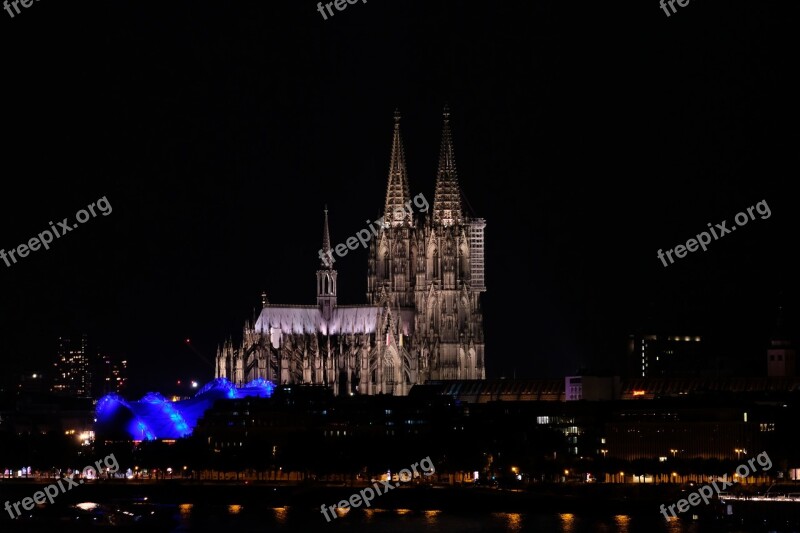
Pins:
x,y
674,451
739,452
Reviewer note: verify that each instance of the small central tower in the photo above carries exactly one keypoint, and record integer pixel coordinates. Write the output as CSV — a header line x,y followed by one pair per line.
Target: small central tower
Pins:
x,y
326,276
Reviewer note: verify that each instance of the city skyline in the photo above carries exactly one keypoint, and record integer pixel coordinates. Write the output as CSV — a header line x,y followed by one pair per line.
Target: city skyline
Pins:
x,y
402,265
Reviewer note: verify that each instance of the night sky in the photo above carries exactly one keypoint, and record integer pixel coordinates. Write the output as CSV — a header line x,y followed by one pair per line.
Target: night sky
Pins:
x,y
587,135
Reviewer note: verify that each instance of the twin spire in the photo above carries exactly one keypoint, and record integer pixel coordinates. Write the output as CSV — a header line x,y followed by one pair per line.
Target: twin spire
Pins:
x,y
395,213
447,197
447,209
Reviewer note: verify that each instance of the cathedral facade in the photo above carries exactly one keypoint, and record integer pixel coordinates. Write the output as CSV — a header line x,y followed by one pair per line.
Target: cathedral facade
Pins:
x,y
422,320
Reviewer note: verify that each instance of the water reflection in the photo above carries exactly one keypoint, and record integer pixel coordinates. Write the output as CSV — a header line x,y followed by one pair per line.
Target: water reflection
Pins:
x,y
281,514
185,510
511,521
430,517
514,521
248,517
369,514
674,525
567,522
622,521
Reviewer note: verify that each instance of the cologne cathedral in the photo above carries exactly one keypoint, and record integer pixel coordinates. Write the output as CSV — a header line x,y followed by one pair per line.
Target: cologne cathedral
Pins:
x,y
422,320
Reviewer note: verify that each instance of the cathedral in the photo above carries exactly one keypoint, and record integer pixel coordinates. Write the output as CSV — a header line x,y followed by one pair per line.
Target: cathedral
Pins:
x,y
422,320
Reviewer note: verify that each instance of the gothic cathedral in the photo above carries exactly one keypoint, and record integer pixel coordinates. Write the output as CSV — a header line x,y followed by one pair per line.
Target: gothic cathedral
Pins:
x,y
422,320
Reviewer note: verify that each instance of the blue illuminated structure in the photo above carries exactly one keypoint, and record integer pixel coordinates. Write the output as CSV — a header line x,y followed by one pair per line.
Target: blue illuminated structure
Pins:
x,y
154,417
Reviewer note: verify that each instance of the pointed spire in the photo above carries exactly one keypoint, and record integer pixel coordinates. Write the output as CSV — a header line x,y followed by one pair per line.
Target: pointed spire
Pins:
x,y
447,196
326,242
397,188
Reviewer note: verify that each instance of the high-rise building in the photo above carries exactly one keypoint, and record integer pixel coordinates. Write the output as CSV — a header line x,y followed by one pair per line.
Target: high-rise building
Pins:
x,y
666,356
72,375
423,317
111,375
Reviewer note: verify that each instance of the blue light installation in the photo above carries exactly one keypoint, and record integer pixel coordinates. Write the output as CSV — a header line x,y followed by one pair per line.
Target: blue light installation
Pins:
x,y
155,417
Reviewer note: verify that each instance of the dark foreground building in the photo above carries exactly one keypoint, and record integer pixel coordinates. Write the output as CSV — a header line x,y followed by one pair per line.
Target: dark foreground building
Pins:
x,y
496,428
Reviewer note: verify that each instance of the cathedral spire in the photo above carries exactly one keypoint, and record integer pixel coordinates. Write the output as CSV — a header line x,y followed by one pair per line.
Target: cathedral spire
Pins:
x,y
397,196
326,242
326,279
447,196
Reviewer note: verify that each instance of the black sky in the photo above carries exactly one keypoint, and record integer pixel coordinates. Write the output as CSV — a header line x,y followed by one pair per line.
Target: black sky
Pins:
x,y
589,135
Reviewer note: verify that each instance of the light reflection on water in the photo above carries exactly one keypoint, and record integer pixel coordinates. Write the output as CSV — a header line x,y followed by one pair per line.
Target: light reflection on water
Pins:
x,y
185,510
369,513
281,515
567,522
514,521
245,518
430,517
674,525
